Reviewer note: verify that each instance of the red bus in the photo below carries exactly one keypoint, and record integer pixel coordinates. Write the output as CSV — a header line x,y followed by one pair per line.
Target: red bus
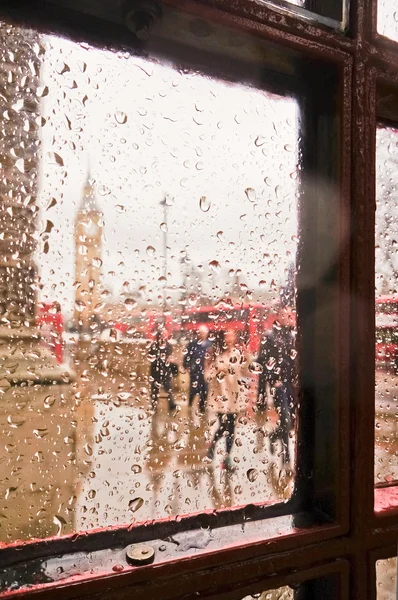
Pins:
x,y
387,330
50,321
250,321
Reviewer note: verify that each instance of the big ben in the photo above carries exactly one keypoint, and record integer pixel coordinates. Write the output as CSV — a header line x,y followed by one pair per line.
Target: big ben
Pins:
x,y
88,242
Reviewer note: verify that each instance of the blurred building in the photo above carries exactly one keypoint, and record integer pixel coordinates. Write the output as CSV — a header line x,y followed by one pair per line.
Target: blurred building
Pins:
x,y
88,245
19,146
22,356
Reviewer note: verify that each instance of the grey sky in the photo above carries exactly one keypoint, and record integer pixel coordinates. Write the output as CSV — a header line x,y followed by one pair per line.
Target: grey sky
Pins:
x,y
148,130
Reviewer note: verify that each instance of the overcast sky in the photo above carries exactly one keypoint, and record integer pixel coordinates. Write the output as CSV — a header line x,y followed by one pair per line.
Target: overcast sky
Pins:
x,y
148,131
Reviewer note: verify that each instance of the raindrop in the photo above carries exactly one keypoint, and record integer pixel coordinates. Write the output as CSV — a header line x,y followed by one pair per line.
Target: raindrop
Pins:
x,y
97,262
80,305
255,367
252,475
170,201
120,208
88,449
150,250
204,204
259,141
136,469
214,265
40,433
130,303
104,190
251,194
15,422
118,568
42,91
55,159
135,504
120,117
9,491
60,523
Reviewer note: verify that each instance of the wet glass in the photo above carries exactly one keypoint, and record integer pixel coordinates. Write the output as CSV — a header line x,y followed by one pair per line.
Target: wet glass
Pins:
x,y
333,13
387,19
386,578
149,233
386,450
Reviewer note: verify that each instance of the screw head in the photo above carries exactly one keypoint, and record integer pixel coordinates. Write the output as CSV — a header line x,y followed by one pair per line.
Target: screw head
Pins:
x,y
140,554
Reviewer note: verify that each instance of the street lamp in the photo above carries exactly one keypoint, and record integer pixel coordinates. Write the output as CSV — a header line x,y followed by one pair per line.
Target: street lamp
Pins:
x,y
164,204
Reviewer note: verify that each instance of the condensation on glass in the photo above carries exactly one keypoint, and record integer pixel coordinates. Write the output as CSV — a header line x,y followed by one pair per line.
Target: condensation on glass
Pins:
x,y
282,593
386,579
386,451
148,240
387,19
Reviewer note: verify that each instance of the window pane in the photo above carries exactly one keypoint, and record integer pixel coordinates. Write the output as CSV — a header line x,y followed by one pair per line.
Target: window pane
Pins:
x,y
386,576
333,13
386,462
387,19
149,234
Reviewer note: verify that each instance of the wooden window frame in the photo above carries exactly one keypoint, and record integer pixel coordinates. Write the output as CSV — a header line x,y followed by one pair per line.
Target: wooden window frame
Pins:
x,y
359,535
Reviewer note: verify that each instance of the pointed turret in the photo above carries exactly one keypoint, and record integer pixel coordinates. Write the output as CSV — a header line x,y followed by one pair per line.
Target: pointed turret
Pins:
x,y
88,240
89,201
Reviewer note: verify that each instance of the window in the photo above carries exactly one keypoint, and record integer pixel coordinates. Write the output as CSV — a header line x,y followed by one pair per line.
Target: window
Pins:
x,y
387,19
386,570
169,166
333,13
386,462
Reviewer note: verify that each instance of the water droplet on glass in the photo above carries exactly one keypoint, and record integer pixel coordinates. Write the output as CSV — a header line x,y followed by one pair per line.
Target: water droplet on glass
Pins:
x,y
255,367
42,91
120,117
130,303
60,523
214,265
97,262
135,504
252,475
204,204
251,194
80,305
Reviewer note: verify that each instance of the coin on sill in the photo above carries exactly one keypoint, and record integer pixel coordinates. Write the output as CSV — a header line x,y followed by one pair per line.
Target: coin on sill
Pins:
x,y
140,554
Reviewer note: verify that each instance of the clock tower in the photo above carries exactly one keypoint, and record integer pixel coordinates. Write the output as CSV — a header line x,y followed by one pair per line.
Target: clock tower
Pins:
x,y
88,242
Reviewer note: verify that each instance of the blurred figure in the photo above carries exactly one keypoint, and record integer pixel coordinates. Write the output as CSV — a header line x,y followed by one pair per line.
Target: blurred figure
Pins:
x,y
276,355
161,370
194,360
227,393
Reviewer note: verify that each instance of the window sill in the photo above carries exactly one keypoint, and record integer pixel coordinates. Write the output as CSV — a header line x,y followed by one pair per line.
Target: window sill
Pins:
x,y
94,559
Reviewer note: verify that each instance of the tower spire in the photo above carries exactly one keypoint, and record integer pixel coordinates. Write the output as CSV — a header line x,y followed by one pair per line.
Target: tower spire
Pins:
x,y
89,202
